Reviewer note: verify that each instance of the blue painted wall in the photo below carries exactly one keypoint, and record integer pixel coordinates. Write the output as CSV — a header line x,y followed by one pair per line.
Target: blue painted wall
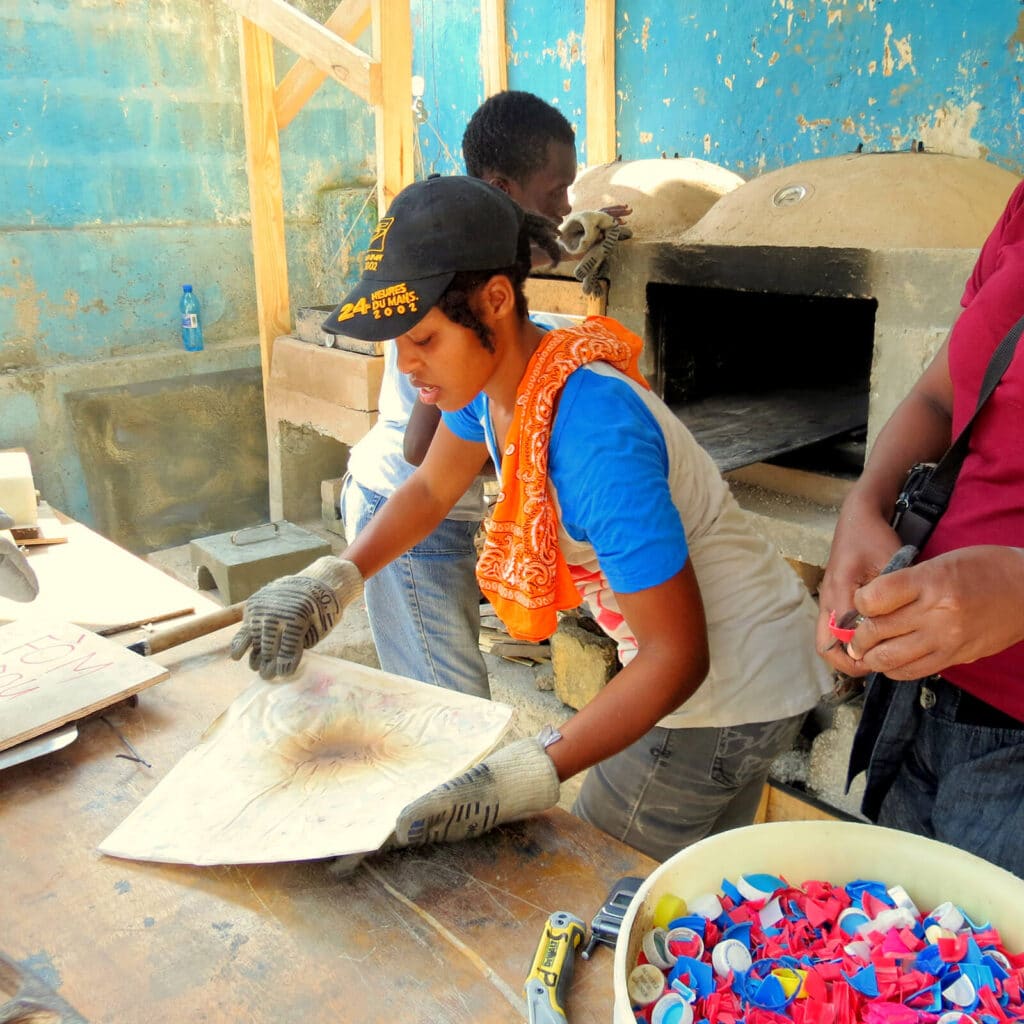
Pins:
x,y
754,85
122,156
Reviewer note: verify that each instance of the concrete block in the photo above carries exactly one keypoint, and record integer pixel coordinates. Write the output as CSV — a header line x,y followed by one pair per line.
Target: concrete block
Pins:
x,y
241,562
308,326
327,374
300,456
583,661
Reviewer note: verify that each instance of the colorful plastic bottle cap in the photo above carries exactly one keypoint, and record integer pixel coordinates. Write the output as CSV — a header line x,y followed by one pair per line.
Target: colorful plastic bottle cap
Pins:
x,y
792,981
646,984
684,942
655,948
671,1008
730,955
759,887
850,921
956,1017
859,948
842,634
771,913
962,992
901,898
946,915
668,908
708,905
1000,958
934,932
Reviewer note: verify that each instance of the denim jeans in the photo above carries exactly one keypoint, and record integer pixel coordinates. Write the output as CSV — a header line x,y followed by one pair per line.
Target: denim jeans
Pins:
x,y
424,608
675,786
932,774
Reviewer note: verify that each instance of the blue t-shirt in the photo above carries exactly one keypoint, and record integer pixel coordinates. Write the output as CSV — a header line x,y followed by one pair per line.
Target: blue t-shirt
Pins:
x,y
608,465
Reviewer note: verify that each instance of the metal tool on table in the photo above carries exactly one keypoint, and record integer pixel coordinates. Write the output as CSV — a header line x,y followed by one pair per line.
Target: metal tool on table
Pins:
x,y
547,984
607,922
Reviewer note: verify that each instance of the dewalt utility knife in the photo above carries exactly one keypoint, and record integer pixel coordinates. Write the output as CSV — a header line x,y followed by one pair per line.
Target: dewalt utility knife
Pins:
x,y
547,984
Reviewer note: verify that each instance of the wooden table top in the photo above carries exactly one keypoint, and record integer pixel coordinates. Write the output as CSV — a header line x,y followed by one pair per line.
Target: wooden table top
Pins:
x,y
444,933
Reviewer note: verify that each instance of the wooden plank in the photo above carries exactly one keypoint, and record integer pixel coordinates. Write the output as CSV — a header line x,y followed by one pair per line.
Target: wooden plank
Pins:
x,y
787,806
599,47
349,22
94,583
392,49
825,490
263,167
48,530
737,430
556,295
441,933
493,57
53,672
333,56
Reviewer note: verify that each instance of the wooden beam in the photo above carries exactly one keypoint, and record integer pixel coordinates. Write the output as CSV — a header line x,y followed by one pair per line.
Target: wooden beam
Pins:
x,y
599,48
349,21
493,58
392,50
319,45
263,166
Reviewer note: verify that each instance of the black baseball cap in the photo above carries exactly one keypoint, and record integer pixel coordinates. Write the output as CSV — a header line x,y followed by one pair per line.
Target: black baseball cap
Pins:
x,y
432,230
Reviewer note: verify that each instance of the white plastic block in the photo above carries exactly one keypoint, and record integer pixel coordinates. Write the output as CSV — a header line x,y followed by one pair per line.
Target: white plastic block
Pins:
x,y
17,490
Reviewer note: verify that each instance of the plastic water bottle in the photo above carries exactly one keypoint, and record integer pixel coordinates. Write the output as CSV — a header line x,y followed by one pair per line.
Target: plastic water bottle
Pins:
x,y
191,328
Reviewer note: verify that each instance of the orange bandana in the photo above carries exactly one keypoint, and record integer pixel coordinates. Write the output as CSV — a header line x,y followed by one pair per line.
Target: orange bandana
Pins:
x,y
522,571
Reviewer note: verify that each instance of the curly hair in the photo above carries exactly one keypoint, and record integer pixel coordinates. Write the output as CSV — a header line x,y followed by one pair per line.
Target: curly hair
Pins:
x,y
457,301
509,135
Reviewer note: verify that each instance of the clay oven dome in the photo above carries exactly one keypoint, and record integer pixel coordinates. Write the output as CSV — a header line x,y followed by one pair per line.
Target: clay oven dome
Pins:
x,y
667,196
906,200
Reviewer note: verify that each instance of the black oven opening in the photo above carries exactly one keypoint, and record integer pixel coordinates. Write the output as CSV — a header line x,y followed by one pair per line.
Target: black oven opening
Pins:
x,y
766,377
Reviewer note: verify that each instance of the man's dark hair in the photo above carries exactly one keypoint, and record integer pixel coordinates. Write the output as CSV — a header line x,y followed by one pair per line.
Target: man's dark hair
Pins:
x,y
456,302
509,135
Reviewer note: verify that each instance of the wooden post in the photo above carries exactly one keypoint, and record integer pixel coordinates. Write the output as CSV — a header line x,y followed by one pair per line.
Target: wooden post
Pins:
x,y
263,165
392,51
493,61
599,50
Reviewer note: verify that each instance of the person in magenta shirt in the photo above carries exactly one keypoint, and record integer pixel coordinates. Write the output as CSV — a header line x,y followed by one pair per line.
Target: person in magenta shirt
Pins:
x,y
942,734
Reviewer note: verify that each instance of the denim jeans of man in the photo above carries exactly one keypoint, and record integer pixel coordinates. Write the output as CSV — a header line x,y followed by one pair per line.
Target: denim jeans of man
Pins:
x,y
424,608
940,765
675,786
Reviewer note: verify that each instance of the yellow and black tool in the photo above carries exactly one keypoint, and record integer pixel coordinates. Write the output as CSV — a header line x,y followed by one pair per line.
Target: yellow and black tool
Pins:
x,y
549,979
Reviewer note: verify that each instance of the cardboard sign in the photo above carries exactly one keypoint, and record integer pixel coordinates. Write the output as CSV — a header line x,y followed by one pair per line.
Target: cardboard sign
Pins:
x,y
53,672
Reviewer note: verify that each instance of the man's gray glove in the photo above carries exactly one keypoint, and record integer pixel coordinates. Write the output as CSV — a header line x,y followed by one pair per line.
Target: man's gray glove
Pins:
x,y
17,579
292,613
512,783
591,235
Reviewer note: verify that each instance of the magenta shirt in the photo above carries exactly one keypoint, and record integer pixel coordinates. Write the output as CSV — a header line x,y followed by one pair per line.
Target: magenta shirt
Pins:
x,y
987,506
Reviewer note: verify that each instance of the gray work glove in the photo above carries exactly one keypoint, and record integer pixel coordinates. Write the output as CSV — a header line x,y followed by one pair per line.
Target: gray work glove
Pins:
x,y
292,613
17,580
512,783
591,235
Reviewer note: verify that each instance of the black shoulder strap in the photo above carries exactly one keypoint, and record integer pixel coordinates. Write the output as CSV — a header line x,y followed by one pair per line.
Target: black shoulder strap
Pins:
x,y
940,486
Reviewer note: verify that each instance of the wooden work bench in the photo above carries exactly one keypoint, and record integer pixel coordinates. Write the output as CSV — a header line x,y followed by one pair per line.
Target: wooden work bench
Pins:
x,y
444,933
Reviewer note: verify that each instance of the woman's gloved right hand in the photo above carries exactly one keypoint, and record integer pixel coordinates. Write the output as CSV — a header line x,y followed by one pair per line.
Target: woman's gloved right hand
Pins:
x,y
293,613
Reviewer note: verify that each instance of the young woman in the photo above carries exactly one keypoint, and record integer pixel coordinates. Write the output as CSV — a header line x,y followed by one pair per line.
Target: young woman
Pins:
x,y
606,498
